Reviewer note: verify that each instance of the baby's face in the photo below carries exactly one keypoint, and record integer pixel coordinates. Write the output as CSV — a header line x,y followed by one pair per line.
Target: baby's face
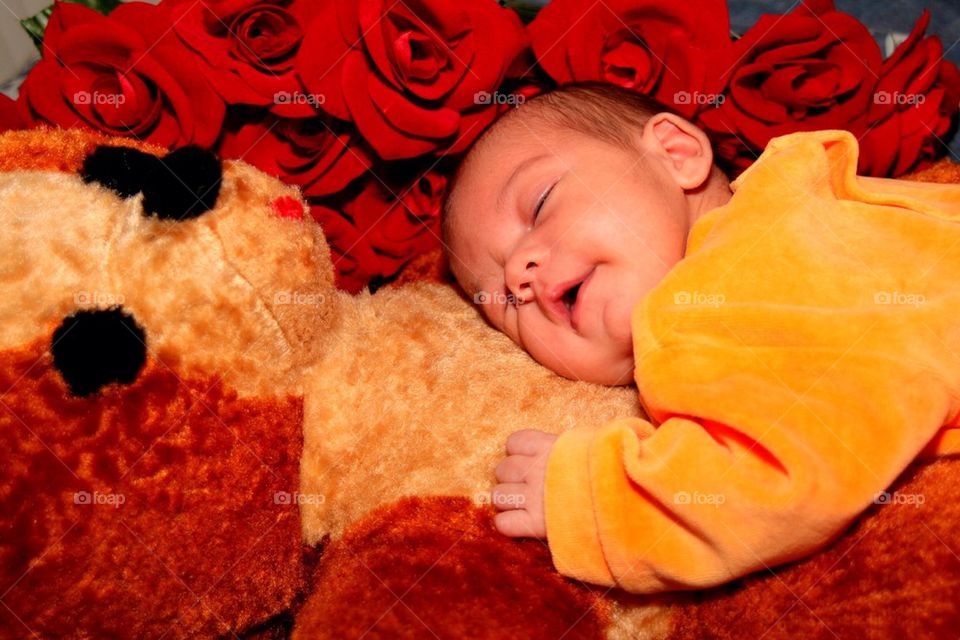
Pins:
x,y
557,235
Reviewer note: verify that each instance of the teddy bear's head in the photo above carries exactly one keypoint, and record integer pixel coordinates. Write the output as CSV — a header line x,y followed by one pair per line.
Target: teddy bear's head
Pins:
x,y
157,312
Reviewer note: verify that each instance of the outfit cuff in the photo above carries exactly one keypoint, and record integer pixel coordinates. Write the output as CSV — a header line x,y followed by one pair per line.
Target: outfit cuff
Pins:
x,y
572,533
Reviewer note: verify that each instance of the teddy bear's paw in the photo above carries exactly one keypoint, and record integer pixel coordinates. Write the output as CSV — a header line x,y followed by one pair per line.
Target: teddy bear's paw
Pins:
x,y
436,567
159,506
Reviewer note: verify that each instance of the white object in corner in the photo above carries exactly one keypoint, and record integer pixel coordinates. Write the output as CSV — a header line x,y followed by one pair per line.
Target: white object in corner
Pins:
x,y
891,41
16,49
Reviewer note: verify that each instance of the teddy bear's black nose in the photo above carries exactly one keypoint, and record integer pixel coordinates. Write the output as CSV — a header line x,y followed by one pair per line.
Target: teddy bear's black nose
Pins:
x,y
93,348
182,185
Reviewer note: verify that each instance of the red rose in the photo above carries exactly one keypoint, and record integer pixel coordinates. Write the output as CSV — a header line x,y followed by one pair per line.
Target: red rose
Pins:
x,y
408,73
353,259
383,228
9,114
814,68
320,154
248,47
913,106
672,51
124,74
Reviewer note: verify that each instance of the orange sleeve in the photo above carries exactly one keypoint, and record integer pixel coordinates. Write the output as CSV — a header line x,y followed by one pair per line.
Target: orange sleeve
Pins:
x,y
774,473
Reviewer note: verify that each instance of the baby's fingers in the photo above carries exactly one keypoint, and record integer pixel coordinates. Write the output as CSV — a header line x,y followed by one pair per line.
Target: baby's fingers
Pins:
x,y
513,468
510,495
529,442
518,524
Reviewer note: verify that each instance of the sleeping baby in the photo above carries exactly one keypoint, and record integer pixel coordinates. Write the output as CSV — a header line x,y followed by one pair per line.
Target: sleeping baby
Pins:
x,y
793,335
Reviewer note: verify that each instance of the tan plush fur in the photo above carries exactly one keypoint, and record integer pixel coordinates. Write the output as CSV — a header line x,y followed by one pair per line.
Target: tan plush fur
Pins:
x,y
408,392
231,277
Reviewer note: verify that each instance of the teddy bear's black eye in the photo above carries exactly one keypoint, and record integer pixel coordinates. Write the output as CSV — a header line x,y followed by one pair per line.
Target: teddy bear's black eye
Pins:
x,y
187,188
182,185
120,169
93,348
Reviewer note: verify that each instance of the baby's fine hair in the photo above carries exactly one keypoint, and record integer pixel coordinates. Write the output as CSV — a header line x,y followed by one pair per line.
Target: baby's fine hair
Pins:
x,y
599,109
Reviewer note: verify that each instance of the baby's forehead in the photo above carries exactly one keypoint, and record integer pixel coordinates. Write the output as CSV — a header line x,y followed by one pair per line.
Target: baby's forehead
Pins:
x,y
489,165
520,130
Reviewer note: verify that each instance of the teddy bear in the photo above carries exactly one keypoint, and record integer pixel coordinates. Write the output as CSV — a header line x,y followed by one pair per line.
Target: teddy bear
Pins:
x,y
203,438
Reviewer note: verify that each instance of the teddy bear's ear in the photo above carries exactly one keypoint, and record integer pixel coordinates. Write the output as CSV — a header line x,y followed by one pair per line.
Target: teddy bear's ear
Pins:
x,y
187,187
53,149
123,170
182,185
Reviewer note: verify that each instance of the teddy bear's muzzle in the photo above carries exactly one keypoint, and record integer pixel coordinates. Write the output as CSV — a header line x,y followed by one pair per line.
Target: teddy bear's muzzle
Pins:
x,y
157,486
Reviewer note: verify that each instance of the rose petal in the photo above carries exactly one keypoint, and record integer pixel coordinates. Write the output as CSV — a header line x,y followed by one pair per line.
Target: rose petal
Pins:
x,y
321,59
390,142
9,114
410,118
652,47
497,38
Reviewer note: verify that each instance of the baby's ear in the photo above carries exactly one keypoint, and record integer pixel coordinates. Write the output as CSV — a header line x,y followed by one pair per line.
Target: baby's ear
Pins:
x,y
683,146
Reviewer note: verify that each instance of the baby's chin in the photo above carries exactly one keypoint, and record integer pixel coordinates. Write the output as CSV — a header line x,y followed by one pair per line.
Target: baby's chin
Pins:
x,y
615,370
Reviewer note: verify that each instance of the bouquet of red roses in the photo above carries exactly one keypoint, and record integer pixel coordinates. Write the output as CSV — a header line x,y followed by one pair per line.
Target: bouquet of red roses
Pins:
x,y
367,105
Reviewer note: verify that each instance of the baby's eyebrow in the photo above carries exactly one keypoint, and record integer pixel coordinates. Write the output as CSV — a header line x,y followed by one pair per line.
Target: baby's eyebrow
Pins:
x,y
510,183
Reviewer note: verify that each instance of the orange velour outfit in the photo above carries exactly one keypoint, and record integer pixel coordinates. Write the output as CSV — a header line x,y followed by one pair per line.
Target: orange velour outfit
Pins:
x,y
802,354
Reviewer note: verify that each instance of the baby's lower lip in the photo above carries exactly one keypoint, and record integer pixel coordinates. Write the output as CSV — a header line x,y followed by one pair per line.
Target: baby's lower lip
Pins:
x,y
577,304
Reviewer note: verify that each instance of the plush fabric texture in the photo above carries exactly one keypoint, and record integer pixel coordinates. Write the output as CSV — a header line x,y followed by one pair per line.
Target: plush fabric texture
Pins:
x,y
163,505
428,267
397,563
427,413
246,289
894,574
440,392
147,510
407,397
945,171
49,149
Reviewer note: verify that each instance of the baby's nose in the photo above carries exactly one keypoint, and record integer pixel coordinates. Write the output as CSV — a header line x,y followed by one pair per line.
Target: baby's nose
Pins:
x,y
521,285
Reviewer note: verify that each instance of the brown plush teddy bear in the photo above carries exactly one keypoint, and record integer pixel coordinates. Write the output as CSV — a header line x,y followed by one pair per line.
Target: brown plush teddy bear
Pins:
x,y
188,407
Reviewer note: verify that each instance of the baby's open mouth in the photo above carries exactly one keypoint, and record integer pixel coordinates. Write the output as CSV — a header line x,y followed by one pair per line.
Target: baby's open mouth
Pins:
x,y
562,301
570,297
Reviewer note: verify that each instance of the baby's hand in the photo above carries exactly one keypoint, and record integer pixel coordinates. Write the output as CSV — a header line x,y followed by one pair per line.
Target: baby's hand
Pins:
x,y
520,493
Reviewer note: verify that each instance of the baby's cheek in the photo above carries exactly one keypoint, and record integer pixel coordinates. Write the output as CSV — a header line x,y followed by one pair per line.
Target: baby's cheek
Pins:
x,y
617,320
549,347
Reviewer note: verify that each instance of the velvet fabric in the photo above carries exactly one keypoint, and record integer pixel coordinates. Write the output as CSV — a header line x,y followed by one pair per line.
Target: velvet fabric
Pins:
x,y
155,509
397,562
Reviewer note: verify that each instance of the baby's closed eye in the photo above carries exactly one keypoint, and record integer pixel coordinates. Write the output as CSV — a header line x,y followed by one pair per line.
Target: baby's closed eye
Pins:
x,y
542,200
